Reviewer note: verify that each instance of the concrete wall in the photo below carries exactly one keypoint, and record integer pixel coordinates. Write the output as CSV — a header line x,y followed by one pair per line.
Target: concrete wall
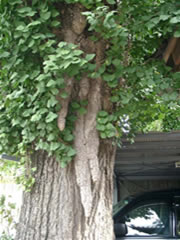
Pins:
x,y
130,187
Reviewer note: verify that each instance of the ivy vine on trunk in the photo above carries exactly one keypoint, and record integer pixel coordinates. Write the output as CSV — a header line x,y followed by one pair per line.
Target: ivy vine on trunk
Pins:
x,y
75,76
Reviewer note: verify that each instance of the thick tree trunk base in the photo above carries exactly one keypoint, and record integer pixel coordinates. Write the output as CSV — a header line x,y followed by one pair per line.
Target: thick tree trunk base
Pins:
x,y
55,208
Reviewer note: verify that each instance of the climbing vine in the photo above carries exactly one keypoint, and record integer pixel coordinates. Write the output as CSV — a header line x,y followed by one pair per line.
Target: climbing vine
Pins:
x,y
35,62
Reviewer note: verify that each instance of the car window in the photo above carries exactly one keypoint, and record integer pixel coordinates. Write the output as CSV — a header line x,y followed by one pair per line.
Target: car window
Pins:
x,y
148,220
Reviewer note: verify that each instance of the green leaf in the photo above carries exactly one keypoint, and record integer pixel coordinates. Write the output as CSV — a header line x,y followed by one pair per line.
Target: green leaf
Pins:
x,y
51,116
111,1
62,44
34,2
117,62
173,96
35,118
112,118
71,152
51,83
89,57
34,74
77,52
40,87
91,67
108,77
102,114
164,17
176,75
54,146
4,54
31,13
34,23
95,75
12,205
126,98
82,111
41,126
113,84
74,70
42,111
66,64
165,97
45,15
175,19
54,91
103,120
64,95
75,105
38,36
27,113
110,134
52,102
115,99
54,13
22,28
51,137
177,34
140,74
60,81
103,135
24,9
84,103
31,43
14,2
100,127
110,126
64,52
109,21
102,69
62,164
55,23
68,137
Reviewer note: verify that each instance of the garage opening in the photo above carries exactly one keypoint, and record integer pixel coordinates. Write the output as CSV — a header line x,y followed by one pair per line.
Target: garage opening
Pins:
x,y
152,162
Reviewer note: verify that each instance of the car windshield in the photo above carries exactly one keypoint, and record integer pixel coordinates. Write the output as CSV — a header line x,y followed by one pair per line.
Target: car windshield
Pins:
x,y
117,207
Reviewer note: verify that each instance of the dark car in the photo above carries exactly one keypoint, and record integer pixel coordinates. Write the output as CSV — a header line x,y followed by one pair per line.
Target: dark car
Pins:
x,y
152,215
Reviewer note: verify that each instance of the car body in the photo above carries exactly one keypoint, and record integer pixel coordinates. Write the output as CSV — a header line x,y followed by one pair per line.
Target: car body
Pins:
x,y
151,215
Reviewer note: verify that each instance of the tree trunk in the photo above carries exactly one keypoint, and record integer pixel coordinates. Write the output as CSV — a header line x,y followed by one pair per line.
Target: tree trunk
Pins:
x,y
74,203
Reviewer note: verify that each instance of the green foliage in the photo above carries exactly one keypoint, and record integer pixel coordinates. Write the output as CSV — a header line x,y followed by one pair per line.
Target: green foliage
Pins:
x,y
105,126
35,63
7,221
7,168
24,174
19,172
143,88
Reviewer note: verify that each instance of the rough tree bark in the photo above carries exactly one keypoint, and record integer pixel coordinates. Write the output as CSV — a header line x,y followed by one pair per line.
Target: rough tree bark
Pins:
x,y
74,203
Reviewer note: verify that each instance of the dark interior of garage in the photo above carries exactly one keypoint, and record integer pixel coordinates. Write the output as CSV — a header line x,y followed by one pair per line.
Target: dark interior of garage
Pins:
x,y
152,162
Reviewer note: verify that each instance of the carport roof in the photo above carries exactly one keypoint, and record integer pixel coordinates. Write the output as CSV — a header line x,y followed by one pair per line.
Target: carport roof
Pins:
x,y
153,156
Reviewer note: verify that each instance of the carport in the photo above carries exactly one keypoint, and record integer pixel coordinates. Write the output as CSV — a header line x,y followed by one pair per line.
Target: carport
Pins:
x,y
152,162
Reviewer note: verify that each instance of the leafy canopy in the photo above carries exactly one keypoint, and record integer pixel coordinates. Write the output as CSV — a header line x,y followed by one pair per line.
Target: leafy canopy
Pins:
x,y
34,63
